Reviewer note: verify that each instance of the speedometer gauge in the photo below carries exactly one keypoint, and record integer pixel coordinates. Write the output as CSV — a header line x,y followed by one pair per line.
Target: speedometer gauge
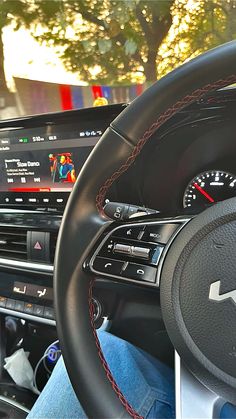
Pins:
x,y
208,188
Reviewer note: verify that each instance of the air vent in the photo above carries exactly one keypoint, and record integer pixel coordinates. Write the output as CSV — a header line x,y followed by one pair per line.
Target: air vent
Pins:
x,y
53,242
13,243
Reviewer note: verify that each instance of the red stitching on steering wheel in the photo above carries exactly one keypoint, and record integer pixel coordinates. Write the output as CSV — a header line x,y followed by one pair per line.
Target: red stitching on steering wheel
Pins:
x,y
197,94
115,387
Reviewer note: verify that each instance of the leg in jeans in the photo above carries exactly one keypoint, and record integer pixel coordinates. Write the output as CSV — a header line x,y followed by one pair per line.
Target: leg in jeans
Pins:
x,y
228,411
147,384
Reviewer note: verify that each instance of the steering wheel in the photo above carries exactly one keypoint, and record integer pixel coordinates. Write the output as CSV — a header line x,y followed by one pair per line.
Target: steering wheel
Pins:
x,y
197,275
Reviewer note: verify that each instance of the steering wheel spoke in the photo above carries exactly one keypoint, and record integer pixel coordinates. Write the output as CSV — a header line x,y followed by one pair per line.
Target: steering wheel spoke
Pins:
x,y
134,252
193,400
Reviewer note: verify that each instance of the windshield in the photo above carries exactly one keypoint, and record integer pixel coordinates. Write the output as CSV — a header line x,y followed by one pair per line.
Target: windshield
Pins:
x,y
58,55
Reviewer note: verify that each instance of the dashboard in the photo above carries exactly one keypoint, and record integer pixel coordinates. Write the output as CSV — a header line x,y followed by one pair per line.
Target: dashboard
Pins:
x,y
189,164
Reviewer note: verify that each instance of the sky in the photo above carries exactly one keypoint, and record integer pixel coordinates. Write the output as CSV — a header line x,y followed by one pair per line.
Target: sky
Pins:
x,y
25,57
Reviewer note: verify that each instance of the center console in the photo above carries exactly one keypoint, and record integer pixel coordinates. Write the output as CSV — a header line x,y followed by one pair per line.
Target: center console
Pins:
x,y
40,160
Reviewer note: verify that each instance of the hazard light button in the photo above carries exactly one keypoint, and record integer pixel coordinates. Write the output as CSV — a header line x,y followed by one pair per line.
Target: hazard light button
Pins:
x,y
38,244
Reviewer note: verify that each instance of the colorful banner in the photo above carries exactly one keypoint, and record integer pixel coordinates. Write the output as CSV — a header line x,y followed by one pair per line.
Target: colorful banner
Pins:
x,y
106,92
66,99
77,97
97,91
37,97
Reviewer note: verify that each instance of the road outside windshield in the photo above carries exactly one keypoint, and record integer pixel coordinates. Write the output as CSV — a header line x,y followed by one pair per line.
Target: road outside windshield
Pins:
x,y
59,55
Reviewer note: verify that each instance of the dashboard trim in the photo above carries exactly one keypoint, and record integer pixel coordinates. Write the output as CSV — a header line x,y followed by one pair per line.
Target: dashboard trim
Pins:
x,y
27,316
38,267
14,403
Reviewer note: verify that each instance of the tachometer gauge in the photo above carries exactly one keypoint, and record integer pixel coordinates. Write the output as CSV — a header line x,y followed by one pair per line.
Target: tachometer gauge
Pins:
x,y
208,188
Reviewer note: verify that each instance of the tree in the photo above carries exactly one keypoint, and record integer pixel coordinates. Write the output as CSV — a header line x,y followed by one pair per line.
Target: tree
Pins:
x,y
119,38
198,26
10,11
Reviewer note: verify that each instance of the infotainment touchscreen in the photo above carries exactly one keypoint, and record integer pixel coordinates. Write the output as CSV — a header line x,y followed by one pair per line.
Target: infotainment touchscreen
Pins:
x,y
41,165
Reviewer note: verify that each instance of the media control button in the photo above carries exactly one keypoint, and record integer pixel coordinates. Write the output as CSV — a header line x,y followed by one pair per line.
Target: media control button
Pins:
x,y
122,248
141,252
107,248
134,233
49,313
159,233
156,254
3,301
29,308
140,272
109,266
10,303
133,251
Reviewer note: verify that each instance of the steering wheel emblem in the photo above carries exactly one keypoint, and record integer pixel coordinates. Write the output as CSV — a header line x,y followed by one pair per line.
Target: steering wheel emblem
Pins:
x,y
215,295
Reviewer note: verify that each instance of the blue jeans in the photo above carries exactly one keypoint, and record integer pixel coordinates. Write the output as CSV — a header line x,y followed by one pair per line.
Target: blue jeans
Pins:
x,y
146,383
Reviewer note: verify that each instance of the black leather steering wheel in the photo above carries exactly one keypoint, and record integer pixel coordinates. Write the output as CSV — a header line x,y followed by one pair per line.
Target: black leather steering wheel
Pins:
x,y
84,223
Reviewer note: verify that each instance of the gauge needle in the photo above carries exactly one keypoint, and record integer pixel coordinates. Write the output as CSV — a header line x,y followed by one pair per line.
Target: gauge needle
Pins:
x,y
204,193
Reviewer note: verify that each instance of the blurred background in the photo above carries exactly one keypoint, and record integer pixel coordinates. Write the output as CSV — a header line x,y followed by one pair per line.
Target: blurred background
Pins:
x,y
59,55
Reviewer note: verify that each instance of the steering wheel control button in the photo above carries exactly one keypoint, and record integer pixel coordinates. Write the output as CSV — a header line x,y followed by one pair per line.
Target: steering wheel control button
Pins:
x,y
140,252
157,254
120,211
133,251
159,233
123,249
129,232
107,248
140,272
109,266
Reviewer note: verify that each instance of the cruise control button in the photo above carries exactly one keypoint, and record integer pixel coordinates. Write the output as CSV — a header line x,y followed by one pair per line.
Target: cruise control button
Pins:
x,y
109,266
134,233
159,233
140,272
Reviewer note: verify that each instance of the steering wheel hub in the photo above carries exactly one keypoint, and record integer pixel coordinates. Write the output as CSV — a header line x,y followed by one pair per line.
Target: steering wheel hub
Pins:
x,y
198,291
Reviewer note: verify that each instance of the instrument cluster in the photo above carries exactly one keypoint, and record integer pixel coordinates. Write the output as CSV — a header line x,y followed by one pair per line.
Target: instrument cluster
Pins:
x,y
209,187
